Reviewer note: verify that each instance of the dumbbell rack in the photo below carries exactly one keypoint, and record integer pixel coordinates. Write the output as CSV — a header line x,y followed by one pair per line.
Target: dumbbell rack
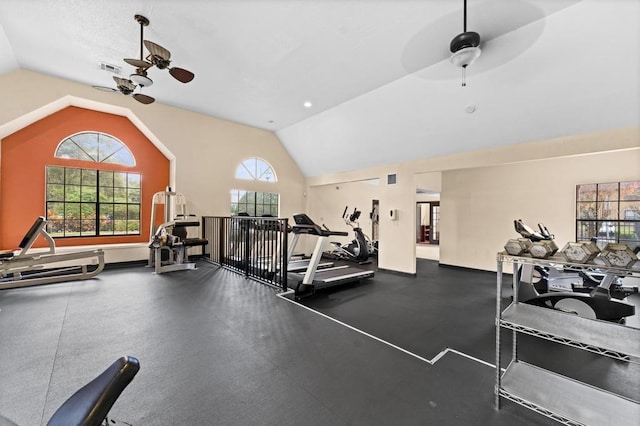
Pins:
x,y
561,398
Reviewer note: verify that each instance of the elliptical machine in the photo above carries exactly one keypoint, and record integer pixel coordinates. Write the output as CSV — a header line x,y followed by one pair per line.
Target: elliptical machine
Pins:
x,y
358,249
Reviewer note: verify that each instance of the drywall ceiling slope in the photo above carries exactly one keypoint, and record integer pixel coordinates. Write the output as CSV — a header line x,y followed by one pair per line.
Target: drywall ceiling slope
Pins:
x,y
579,76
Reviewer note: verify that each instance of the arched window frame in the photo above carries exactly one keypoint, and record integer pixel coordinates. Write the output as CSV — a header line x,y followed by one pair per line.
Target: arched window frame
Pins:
x,y
93,202
256,168
98,157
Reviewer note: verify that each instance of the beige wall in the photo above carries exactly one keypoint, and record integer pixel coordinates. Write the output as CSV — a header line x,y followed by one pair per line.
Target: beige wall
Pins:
x,y
478,205
327,202
206,150
465,241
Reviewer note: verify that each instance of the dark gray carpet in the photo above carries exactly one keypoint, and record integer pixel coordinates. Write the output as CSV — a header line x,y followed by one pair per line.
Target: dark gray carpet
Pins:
x,y
216,349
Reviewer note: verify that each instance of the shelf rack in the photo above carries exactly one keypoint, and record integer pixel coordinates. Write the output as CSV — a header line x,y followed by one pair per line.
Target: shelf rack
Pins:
x,y
561,398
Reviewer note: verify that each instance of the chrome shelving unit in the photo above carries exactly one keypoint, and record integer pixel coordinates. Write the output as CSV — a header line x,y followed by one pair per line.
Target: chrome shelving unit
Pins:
x,y
561,398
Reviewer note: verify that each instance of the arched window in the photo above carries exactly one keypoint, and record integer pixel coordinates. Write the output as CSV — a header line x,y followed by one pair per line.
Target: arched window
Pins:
x,y
96,147
256,169
251,202
91,202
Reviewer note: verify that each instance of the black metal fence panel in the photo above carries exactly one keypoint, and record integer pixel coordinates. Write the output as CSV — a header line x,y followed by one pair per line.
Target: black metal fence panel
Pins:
x,y
253,246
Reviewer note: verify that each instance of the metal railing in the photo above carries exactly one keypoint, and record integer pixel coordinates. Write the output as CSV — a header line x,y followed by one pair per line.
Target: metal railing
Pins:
x,y
253,246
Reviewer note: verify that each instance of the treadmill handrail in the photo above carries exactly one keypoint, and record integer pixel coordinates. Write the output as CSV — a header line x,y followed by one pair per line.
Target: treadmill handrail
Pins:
x,y
316,230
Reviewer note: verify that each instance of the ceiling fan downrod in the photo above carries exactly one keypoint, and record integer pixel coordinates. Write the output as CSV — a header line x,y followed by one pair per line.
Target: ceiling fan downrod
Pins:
x,y
464,47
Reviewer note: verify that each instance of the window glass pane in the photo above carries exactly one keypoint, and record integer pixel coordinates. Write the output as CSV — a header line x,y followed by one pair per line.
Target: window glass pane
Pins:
x,y
55,192
630,210
586,210
630,191
55,174
88,143
69,149
120,212
72,193
119,179
608,210
72,211
55,227
72,176
244,173
133,212
629,231
120,227
607,192
88,227
88,211
55,211
607,231
89,177
250,197
106,195
133,196
108,146
133,227
72,228
88,193
133,180
120,195
106,178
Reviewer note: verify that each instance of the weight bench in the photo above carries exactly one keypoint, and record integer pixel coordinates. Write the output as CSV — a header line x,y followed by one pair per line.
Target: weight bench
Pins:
x,y
90,405
21,267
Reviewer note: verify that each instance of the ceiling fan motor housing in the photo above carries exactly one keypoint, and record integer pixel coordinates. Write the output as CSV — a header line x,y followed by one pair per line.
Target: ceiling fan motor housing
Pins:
x,y
465,39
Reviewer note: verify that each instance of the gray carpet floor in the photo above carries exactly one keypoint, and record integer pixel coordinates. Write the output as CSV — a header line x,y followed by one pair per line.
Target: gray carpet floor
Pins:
x,y
217,349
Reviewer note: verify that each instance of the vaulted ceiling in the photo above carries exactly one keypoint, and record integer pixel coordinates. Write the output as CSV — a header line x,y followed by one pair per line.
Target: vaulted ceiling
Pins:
x,y
377,73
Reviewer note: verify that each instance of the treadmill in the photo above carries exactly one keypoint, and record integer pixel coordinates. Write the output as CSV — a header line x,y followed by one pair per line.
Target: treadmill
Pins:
x,y
315,278
303,264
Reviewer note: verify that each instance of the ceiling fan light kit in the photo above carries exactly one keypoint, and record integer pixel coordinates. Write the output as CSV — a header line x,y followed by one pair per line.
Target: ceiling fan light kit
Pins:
x,y
464,47
158,57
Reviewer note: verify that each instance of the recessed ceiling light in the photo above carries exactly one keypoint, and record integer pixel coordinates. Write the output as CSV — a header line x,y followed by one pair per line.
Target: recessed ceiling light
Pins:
x,y
307,104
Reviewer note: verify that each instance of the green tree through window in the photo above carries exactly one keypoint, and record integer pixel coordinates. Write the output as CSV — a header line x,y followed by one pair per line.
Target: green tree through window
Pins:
x,y
90,202
84,202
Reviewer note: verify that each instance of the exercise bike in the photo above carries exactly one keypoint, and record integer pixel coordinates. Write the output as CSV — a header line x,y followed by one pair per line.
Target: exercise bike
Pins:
x,y
358,249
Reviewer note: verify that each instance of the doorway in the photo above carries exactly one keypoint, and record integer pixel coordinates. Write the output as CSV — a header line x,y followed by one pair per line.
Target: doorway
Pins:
x,y
428,222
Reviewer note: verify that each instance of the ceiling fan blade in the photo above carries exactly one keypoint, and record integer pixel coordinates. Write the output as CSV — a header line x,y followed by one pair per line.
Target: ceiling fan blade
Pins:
x,y
105,89
124,85
143,99
157,50
181,74
138,63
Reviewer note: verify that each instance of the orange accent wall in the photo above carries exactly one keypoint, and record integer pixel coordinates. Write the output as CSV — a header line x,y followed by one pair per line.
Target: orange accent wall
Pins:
x,y
26,153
